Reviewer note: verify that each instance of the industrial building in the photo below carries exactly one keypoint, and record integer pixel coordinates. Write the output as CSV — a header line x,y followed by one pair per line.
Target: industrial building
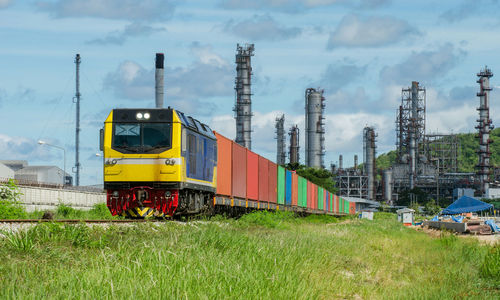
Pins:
x,y
22,172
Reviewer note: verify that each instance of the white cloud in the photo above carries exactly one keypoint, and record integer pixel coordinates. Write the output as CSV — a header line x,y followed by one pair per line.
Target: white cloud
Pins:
x,y
5,3
132,30
14,147
357,31
137,10
261,28
423,66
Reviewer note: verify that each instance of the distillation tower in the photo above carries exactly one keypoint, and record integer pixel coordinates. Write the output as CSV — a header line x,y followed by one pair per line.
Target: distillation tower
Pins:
x,y
369,153
243,106
315,140
280,138
294,144
484,128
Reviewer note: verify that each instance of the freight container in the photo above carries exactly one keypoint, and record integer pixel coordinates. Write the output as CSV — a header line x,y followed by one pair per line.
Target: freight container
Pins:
x,y
319,203
273,181
331,202
314,202
300,191
337,204
352,208
310,191
327,201
239,171
252,176
263,179
304,192
288,187
224,169
295,189
281,185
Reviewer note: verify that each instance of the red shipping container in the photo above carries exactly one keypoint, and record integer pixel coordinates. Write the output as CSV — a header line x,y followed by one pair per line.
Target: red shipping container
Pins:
x,y
273,181
295,189
325,194
239,171
337,204
252,175
309,194
224,165
263,179
315,197
352,208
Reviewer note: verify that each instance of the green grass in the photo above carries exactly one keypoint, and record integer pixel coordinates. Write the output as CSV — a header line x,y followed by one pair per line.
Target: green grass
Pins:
x,y
63,212
260,256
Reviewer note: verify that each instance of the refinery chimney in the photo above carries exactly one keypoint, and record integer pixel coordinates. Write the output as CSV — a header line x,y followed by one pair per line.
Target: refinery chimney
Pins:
x,y
369,159
243,106
315,131
280,138
159,80
484,128
341,162
294,144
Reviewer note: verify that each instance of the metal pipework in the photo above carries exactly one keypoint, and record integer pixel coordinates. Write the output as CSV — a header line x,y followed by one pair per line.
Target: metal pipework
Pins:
x,y
243,106
388,183
413,137
280,140
315,131
484,127
159,80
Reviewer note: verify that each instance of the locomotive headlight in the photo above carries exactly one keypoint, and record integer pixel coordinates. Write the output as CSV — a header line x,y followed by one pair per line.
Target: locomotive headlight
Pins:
x,y
168,194
139,116
116,194
147,116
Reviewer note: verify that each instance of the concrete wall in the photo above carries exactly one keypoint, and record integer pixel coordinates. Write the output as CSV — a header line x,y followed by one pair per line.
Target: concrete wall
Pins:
x,y
6,172
41,198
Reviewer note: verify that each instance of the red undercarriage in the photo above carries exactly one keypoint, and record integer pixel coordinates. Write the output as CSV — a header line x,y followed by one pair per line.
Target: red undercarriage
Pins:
x,y
142,196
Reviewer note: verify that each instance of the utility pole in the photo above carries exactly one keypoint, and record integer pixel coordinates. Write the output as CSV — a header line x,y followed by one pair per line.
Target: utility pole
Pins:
x,y
77,133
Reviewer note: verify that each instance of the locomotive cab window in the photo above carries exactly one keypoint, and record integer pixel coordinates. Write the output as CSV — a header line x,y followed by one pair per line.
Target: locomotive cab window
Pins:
x,y
142,137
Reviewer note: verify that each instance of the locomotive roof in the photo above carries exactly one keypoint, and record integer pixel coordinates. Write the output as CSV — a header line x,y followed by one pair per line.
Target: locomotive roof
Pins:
x,y
195,125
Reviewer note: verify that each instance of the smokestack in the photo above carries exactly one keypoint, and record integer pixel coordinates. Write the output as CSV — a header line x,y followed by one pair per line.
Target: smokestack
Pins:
x,y
294,144
280,137
315,131
159,81
355,161
369,159
341,162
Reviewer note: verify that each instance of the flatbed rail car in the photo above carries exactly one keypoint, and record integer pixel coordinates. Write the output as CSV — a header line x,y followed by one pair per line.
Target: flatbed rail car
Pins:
x,y
160,162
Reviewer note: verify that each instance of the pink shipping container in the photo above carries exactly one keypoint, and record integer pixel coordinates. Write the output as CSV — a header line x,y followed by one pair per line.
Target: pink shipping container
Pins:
x,y
325,207
295,189
252,175
309,194
273,181
315,197
263,179
239,171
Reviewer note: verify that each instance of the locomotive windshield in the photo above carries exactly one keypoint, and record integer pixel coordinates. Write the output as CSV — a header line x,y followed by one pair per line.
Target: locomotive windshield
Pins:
x,y
142,137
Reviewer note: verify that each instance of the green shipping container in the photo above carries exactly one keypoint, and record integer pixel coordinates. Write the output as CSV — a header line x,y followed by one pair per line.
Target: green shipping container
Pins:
x,y
321,191
304,192
299,191
341,205
331,202
281,185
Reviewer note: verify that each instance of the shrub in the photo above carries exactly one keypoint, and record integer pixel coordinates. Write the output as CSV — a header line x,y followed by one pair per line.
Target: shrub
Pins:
x,y
10,208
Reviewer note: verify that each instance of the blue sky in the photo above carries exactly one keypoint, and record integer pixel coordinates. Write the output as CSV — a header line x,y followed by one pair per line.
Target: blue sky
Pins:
x,y
362,53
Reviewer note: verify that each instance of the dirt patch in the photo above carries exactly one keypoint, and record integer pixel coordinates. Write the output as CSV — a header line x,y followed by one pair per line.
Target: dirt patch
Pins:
x,y
483,239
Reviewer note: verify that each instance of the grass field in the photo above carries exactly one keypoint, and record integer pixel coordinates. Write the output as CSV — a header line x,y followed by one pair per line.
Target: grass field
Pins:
x,y
260,256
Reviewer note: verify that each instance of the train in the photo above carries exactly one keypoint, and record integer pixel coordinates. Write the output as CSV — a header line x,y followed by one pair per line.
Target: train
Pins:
x,y
160,162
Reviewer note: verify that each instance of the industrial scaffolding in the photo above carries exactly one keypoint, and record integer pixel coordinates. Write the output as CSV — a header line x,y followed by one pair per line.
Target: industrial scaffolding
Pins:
x,y
243,105
280,140
294,144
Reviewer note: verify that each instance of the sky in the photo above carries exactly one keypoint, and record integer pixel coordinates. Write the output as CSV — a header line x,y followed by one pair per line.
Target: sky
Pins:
x,y
361,52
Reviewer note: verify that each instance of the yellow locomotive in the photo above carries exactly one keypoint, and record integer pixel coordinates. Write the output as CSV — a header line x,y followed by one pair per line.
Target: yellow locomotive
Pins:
x,y
158,161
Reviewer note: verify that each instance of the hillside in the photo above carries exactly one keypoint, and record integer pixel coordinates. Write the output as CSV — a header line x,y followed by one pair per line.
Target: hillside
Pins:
x,y
467,157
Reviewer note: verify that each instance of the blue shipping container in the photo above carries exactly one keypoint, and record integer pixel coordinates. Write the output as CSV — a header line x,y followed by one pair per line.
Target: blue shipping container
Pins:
x,y
288,188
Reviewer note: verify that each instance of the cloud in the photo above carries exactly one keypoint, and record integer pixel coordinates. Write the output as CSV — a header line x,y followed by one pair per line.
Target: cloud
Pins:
x,y
340,74
355,31
5,3
119,37
423,66
136,10
263,28
464,10
22,148
208,76
297,6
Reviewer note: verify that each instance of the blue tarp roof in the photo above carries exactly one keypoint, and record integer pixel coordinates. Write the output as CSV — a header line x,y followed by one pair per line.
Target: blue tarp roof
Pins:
x,y
466,204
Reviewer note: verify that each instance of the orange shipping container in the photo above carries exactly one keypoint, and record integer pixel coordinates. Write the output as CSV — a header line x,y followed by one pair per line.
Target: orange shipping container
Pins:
x,y
309,193
295,189
263,179
252,175
239,169
224,165
352,208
